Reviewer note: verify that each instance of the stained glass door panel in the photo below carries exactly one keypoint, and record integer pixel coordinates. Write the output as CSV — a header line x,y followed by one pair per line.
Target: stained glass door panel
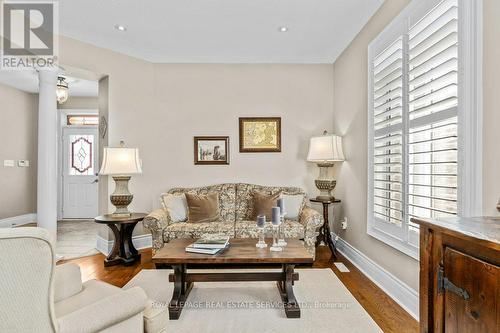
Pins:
x,y
81,155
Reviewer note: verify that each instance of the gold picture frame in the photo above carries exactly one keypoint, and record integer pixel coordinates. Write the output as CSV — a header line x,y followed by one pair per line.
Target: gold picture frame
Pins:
x,y
260,134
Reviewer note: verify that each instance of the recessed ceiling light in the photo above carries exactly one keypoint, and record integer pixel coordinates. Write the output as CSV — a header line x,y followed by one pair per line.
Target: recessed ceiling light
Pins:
x,y
120,27
283,29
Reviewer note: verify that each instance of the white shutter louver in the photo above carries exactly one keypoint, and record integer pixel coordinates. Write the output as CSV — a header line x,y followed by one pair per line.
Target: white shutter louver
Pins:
x,y
432,109
388,134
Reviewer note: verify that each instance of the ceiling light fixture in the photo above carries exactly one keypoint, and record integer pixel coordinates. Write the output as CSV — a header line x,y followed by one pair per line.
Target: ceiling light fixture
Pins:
x,y
120,27
62,91
283,29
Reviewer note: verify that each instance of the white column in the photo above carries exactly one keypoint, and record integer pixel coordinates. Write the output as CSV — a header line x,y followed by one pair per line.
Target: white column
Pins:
x,y
47,152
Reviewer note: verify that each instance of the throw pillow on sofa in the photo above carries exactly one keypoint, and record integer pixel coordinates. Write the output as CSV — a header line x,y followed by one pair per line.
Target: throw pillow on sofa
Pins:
x,y
263,204
203,208
176,206
294,203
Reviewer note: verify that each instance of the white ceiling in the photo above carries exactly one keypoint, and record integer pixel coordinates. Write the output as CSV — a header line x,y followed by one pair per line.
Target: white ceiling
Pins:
x,y
27,80
219,31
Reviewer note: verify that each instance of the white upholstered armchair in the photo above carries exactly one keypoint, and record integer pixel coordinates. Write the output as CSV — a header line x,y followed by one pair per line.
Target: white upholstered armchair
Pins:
x,y
37,296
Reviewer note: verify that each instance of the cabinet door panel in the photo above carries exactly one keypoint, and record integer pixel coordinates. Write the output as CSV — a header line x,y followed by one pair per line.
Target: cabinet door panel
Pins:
x,y
481,280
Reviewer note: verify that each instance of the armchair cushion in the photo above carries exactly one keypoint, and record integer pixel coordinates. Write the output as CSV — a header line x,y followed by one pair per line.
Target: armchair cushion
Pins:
x,y
155,318
105,312
92,291
26,280
68,281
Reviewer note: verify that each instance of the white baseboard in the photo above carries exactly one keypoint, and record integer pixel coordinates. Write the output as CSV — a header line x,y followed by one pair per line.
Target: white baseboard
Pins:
x,y
400,292
140,242
17,220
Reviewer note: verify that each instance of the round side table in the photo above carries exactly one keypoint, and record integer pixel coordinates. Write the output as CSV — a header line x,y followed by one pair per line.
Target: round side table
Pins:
x,y
325,236
123,251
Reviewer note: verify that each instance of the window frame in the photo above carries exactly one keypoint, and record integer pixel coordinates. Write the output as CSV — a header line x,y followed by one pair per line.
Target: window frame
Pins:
x,y
469,198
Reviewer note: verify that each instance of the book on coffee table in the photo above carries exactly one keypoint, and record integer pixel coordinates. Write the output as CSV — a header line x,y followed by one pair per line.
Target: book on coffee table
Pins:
x,y
191,248
211,243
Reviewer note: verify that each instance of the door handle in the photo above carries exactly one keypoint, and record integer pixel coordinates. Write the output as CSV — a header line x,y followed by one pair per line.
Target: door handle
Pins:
x,y
95,181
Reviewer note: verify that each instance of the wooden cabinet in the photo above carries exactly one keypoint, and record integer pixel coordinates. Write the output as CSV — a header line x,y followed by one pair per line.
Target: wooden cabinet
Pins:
x,y
460,275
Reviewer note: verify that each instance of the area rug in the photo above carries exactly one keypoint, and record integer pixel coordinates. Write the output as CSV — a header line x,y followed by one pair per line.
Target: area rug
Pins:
x,y
249,307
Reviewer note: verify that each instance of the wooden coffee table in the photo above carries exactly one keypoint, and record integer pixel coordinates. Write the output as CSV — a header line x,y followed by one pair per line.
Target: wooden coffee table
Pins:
x,y
241,252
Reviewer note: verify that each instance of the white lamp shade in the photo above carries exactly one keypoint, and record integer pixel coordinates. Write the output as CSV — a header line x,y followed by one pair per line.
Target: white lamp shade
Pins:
x,y
120,161
325,148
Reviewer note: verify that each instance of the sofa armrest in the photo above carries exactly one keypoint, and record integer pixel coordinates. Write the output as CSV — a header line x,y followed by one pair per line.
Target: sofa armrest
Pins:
x,y
156,222
104,313
310,218
68,281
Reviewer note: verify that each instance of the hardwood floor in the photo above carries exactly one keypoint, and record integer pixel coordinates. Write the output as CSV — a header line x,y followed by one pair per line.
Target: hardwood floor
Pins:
x,y
386,313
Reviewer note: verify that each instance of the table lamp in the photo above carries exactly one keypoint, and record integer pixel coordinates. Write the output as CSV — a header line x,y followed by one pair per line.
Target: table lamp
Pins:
x,y
120,163
324,150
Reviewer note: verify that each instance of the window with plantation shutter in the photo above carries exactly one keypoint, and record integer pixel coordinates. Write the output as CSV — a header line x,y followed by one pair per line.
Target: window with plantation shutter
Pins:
x,y
417,130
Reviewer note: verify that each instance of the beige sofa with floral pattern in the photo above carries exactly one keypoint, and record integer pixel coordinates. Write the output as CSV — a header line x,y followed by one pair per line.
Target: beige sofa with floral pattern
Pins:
x,y
236,211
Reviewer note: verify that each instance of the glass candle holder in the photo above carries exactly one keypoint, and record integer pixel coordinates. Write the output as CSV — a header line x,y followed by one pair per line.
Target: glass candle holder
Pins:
x,y
275,247
261,224
281,231
276,221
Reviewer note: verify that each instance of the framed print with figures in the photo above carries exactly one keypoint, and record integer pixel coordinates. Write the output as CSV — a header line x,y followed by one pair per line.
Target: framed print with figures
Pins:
x,y
260,135
211,150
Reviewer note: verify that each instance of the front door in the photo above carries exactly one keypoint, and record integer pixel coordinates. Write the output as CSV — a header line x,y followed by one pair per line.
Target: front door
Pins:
x,y
80,163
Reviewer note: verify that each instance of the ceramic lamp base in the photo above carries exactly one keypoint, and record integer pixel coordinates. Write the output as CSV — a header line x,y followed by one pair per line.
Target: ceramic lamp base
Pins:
x,y
324,183
121,197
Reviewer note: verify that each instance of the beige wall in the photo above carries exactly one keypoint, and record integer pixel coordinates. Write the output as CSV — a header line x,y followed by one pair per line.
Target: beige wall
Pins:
x,y
160,107
350,119
208,99
18,137
80,103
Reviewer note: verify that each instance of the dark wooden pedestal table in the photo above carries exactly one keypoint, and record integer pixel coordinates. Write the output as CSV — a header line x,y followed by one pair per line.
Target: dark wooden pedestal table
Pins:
x,y
240,252
325,235
123,251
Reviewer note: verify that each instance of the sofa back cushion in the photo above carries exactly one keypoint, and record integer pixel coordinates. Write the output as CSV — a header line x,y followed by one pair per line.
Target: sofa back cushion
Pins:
x,y
203,208
227,197
263,204
175,205
244,197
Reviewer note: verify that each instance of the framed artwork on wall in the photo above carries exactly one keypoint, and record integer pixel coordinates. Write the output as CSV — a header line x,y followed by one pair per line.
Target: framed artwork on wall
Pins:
x,y
211,150
260,135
